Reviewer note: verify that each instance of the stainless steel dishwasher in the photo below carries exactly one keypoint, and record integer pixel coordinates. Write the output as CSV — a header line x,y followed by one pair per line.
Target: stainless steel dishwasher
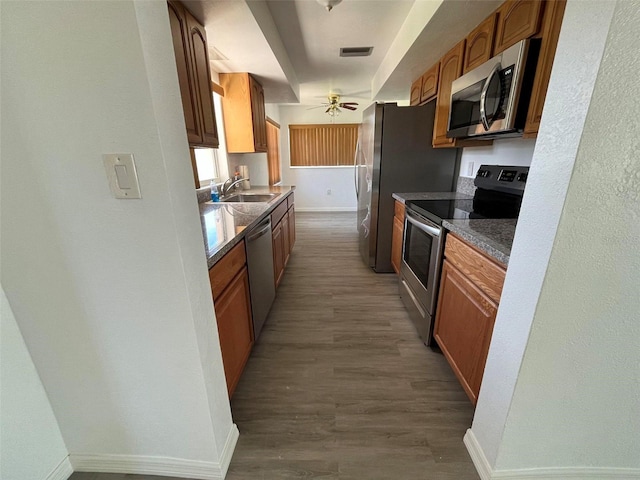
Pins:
x,y
261,280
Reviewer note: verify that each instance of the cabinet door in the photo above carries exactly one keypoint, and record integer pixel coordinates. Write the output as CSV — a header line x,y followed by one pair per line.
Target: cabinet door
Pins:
x,y
414,96
464,324
180,36
285,238
292,228
396,244
430,83
551,23
258,115
278,254
479,44
517,20
450,69
233,315
202,75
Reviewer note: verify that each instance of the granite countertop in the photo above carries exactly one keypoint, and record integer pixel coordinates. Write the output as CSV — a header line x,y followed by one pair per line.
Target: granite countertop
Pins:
x,y
493,236
403,197
224,224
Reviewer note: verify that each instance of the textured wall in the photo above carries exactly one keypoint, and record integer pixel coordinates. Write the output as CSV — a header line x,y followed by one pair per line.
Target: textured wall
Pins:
x,y
577,399
112,296
32,445
578,56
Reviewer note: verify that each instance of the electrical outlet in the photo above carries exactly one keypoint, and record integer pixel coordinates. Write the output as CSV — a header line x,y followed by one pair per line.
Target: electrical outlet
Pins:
x,y
328,191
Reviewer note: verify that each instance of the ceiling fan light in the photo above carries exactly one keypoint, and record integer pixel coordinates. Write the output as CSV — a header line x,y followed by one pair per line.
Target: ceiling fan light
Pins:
x,y
329,4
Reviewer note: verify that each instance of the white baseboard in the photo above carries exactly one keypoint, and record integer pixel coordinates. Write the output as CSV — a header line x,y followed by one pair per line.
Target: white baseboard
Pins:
x,y
477,455
164,466
325,209
561,473
558,473
62,472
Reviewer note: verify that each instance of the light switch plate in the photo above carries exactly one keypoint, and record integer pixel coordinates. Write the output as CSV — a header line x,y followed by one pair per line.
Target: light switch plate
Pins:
x,y
122,175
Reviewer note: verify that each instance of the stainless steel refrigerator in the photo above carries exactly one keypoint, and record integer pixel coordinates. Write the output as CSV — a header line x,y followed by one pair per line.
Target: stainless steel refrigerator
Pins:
x,y
394,154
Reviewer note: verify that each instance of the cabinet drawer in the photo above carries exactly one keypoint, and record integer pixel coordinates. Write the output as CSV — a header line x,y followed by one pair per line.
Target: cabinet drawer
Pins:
x,y
278,213
399,210
221,274
290,201
483,271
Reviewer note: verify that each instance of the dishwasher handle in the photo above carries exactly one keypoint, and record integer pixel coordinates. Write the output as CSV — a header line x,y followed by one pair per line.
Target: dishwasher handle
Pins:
x,y
264,227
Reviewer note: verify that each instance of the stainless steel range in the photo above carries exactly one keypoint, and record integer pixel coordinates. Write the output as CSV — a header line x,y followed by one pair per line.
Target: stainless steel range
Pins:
x,y
498,195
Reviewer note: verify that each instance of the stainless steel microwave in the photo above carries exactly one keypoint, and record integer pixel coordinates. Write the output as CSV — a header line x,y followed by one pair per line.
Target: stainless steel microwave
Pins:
x,y
492,100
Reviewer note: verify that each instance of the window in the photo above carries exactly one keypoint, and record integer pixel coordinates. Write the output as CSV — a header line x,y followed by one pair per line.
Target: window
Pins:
x,y
325,145
207,165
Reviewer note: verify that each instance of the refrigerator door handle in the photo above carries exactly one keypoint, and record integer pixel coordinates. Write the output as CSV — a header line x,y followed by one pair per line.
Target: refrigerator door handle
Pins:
x,y
355,169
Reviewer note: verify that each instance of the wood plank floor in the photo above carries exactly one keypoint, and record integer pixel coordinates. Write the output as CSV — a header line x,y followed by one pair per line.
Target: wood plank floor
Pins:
x,y
339,386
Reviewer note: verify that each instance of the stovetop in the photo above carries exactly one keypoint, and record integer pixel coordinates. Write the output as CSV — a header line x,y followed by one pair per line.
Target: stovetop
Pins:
x,y
499,195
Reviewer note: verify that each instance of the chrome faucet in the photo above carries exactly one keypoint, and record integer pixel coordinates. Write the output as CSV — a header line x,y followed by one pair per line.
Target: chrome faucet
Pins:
x,y
231,183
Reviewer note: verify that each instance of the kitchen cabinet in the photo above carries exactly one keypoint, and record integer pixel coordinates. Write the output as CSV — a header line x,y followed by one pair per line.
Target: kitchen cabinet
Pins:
x,y
278,253
450,69
397,236
429,87
468,298
244,113
232,303
414,96
517,20
479,44
551,23
194,77
283,233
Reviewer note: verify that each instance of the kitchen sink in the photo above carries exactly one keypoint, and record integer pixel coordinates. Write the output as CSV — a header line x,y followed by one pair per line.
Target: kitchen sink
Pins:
x,y
251,197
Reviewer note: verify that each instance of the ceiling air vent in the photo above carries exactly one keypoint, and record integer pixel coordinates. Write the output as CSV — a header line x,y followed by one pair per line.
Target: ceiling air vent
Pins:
x,y
355,51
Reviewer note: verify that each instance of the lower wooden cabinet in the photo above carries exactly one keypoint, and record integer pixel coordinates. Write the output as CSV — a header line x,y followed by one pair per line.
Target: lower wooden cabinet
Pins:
x,y
470,286
232,303
283,221
397,236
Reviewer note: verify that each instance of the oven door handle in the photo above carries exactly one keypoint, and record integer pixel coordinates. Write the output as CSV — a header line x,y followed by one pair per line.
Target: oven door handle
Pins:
x,y
483,97
428,229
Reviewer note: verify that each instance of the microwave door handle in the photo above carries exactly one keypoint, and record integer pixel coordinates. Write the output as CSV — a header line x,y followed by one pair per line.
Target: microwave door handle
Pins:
x,y
483,97
429,230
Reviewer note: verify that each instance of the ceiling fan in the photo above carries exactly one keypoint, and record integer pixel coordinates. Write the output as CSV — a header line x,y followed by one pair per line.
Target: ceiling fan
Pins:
x,y
334,105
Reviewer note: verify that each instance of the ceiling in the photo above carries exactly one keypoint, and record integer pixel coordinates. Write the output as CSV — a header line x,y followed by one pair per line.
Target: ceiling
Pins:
x,y
292,46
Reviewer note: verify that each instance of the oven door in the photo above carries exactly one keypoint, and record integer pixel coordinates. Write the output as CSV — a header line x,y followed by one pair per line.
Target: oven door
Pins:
x,y
484,101
421,259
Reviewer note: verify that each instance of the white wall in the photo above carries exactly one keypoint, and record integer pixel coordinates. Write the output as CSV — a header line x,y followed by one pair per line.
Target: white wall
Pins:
x,y
568,406
111,296
577,398
32,445
511,151
312,183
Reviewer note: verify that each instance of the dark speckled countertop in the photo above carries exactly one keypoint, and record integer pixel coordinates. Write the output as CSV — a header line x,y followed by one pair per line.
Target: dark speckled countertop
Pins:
x,y
225,224
492,236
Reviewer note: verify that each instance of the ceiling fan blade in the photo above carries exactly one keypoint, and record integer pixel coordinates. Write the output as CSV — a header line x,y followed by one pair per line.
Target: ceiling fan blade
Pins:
x,y
318,106
348,103
348,107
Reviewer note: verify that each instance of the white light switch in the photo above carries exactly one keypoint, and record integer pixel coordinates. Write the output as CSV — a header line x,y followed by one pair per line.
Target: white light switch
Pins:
x,y
122,176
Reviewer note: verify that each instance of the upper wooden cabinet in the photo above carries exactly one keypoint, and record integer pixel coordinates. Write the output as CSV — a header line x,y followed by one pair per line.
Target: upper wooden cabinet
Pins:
x,y
194,77
244,114
479,44
517,20
414,97
450,69
551,23
430,83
